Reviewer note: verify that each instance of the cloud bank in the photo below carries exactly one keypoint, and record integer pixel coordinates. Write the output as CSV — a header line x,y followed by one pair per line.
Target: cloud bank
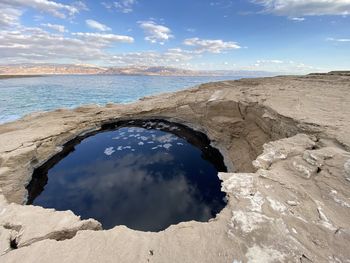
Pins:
x,y
299,8
208,45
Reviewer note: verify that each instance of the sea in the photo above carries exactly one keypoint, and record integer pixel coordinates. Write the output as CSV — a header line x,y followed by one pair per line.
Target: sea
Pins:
x,y
21,96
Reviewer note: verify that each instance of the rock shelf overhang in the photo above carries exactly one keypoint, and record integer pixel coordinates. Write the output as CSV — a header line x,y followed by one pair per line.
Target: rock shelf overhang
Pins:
x,y
286,144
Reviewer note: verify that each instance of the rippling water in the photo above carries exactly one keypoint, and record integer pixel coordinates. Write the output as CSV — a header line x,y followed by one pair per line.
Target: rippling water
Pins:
x,y
21,96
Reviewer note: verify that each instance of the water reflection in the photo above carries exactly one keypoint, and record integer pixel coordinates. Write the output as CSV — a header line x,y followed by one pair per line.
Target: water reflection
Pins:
x,y
141,176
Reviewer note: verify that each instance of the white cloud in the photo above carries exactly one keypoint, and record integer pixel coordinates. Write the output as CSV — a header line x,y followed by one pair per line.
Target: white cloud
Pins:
x,y
224,4
297,19
155,33
80,5
338,39
9,16
171,57
107,5
267,61
36,44
210,45
299,8
281,66
104,38
59,28
52,7
125,6
214,3
178,54
97,25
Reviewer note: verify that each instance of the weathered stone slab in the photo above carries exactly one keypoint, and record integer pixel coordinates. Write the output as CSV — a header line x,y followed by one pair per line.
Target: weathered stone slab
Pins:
x,y
292,205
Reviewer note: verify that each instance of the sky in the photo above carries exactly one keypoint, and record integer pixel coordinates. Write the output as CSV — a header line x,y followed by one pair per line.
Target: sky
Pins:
x,y
290,36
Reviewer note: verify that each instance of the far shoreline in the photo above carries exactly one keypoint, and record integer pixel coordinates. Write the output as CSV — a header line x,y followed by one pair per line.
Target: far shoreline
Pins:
x,y
19,76
128,75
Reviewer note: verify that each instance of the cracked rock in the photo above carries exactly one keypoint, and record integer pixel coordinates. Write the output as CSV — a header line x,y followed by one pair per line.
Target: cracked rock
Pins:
x,y
281,209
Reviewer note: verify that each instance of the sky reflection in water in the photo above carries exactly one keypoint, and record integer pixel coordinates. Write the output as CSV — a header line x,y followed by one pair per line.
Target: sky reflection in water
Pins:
x,y
146,179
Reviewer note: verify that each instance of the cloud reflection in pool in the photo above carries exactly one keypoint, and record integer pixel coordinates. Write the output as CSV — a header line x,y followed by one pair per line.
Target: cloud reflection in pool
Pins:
x,y
146,177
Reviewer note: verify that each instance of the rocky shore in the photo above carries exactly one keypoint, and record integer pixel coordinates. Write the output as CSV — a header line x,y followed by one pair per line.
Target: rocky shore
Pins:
x,y
285,141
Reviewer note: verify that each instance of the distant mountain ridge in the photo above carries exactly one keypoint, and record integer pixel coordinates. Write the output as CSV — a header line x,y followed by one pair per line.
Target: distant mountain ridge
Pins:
x,y
152,71
48,69
68,69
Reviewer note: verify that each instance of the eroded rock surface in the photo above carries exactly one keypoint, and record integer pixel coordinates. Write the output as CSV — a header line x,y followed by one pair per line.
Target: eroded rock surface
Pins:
x,y
285,141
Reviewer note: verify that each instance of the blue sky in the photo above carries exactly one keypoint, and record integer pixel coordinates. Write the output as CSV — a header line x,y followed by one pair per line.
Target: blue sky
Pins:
x,y
292,36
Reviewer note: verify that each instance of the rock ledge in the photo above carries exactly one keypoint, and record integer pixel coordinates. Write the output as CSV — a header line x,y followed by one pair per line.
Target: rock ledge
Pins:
x,y
285,141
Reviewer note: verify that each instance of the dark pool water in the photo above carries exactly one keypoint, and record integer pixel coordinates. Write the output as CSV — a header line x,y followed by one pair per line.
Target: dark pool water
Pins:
x,y
146,175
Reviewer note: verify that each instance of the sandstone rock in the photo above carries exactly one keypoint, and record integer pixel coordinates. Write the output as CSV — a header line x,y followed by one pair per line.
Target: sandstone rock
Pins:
x,y
303,168
33,224
347,169
6,236
280,150
291,206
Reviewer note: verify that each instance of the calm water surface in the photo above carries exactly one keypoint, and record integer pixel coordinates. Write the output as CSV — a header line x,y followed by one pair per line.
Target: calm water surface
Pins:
x,y
25,95
145,175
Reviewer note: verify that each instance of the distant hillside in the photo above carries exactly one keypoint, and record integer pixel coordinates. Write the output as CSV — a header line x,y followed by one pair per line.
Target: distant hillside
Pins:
x,y
153,71
45,69
58,69
335,72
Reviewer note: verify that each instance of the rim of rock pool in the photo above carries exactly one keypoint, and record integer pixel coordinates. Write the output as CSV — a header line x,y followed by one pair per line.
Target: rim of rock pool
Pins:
x,y
194,138
246,129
